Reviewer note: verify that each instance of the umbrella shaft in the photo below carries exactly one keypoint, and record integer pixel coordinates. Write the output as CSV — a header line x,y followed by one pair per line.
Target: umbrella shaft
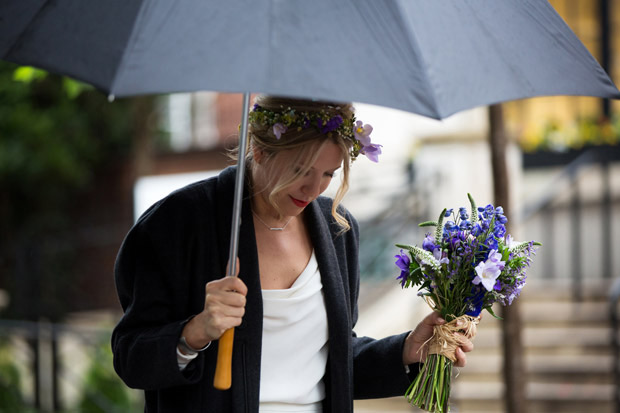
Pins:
x,y
236,216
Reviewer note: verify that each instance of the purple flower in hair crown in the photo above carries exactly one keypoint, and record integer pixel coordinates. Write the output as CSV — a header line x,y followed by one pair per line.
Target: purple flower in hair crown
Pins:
x,y
331,125
278,129
281,122
362,134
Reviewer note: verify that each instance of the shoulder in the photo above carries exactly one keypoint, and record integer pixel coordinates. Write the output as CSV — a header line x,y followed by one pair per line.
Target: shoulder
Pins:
x,y
185,199
325,205
197,200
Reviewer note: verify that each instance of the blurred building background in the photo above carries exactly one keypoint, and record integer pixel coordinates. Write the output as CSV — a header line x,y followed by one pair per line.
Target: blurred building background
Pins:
x,y
77,170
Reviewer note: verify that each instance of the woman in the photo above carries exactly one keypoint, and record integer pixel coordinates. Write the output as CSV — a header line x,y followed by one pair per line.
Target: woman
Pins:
x,y
293,305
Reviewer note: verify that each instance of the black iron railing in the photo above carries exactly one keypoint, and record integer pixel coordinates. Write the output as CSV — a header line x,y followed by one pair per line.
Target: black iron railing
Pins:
x,y
62,368
598,160
567,182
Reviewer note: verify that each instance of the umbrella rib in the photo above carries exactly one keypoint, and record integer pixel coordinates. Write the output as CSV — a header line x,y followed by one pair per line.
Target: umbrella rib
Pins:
x,y
25,29
131,40
417,51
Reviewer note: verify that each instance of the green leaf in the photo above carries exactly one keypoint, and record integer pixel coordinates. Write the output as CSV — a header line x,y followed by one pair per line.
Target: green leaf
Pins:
x,y
428,224
490,310
474,210
439,229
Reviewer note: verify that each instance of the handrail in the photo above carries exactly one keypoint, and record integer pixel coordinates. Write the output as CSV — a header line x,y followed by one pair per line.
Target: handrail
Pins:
x,y
568,173
614,296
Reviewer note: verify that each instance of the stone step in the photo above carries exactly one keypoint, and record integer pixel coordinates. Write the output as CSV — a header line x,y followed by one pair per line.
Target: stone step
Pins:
x,y
560,313
534,391
564,288
487,397
538,364
532,406
569,337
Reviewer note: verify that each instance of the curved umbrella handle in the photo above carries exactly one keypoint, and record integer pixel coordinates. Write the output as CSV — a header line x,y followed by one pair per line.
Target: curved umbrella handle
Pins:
x,y
223,367
223,373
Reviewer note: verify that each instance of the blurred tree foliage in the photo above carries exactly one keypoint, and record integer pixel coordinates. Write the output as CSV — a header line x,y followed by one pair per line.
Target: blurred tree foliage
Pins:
x,y
55,135
11,399
103,391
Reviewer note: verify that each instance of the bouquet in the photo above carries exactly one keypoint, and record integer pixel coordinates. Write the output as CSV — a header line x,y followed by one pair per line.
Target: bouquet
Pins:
x,y
465,266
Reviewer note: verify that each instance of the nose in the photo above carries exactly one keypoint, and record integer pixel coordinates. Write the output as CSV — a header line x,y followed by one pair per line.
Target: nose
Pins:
x,y
312,186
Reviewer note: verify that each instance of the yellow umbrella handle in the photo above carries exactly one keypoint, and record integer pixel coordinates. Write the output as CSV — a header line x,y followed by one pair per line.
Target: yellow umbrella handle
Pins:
x,y
223,374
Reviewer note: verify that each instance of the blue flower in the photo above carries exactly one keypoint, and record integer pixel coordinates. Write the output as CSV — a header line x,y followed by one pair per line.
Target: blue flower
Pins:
x,y
463,213
499,231
474,302
465,224
476,230
448,212
491,243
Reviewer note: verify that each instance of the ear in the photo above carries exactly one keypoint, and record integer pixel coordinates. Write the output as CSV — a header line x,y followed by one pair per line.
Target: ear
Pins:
x,y
257,154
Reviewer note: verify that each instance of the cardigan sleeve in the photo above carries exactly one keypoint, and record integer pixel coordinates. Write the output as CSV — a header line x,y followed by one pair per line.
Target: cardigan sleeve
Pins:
x,y
156,287
378,369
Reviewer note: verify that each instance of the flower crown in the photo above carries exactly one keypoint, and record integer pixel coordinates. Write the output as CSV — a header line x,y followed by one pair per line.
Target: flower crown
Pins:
x,y
350,129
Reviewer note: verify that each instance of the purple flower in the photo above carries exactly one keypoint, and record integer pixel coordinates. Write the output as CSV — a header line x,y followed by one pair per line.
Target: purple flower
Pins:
x,y
497,286
429,242
362,133
372,152
440,257
403,263
489,270
331,125
279,129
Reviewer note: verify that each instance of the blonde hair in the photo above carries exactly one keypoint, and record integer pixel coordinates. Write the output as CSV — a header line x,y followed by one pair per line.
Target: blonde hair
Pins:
x,y
305,144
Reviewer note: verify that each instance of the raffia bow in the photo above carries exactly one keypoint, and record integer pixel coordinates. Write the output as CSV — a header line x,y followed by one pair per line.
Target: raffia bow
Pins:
x,y
445,342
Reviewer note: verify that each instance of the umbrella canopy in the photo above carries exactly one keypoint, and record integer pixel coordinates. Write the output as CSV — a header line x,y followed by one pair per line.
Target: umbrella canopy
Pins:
x,y
430,57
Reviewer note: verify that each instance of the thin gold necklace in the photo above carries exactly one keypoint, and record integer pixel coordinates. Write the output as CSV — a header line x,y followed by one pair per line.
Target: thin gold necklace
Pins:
x,y
272,228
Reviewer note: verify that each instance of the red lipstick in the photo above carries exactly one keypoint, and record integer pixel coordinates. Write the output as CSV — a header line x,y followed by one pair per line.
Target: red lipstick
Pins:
x,y
299,202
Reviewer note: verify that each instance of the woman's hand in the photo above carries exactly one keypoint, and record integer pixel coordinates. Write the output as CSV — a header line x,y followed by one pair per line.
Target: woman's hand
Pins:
x,y
224,309
415,349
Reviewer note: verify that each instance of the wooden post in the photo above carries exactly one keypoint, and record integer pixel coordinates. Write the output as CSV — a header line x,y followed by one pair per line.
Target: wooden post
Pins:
x,y
512,369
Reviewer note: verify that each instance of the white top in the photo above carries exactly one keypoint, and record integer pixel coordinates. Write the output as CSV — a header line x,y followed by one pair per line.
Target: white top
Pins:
x,y
294,352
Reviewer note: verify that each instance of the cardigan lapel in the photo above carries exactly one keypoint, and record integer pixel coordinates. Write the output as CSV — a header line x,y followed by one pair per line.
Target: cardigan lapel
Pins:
x,y
335,289
248,336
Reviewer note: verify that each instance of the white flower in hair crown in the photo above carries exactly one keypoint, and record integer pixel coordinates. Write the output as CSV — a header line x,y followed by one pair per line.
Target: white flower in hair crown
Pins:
x,y
351,129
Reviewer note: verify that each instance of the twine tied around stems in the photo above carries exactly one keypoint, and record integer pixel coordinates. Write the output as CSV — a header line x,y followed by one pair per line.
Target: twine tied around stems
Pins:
x,y
445,342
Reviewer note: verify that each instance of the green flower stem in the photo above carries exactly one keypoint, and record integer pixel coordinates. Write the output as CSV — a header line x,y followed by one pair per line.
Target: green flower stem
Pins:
x,y
430,390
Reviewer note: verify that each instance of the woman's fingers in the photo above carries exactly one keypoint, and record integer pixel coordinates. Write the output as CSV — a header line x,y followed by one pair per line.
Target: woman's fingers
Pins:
x,y
461,358
224,306
466,345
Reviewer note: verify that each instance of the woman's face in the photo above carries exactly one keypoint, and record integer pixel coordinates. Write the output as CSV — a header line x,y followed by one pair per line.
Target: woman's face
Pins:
x,y
294,198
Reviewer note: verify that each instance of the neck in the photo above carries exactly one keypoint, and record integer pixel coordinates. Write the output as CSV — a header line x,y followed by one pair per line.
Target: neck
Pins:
x,y
268,216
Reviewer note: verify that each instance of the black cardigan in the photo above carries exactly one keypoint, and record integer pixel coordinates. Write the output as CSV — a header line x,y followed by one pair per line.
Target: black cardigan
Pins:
x,y
179,245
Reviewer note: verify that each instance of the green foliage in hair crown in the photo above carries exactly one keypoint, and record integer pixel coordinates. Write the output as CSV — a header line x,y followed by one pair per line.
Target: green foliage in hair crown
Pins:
x,y
351,129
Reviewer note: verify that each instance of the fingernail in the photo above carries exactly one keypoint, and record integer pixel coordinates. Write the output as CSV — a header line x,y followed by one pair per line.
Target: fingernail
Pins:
x,y
441,320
